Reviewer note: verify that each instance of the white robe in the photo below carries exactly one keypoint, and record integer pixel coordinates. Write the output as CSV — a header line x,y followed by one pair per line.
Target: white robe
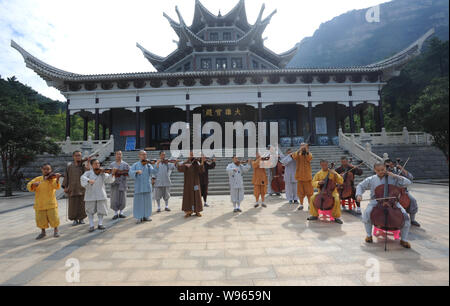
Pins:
x,y
236,181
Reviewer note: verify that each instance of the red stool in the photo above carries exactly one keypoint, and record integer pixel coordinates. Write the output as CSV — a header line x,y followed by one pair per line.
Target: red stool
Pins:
x,y
377,232
325,215
348,202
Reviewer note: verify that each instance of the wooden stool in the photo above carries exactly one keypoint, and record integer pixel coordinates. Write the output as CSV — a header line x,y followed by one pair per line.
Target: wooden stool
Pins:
x,y
348,202
325,215
377,232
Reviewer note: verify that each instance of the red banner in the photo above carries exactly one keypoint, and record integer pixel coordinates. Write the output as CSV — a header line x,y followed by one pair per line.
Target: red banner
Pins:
x,y
130,133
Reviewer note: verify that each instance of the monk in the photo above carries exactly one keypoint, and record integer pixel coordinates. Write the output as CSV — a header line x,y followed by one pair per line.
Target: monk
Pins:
x,y
259,181
303,173
401,171
45,204
74,190
371,183
119,187
192,198
289,177
319,182
347,167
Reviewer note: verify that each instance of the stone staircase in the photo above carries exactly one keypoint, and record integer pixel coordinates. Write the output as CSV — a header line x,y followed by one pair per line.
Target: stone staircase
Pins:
x,y
219,178
33,169
427,162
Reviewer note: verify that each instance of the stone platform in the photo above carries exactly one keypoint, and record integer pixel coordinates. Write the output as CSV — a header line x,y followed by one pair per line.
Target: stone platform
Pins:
x,y
272,246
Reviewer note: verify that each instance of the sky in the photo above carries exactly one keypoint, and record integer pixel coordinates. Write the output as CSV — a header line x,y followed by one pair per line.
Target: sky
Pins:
x,y
100,36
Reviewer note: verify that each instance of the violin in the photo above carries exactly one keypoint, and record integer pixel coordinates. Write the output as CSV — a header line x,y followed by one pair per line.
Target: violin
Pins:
x,y
324,199
346,189
120,173
171,161
278,184
386,215
265,157
100,171
148,162
239,162
52,176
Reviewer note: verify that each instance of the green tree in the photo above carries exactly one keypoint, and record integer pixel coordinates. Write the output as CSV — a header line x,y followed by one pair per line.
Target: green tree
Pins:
x,y
431,112
403,91
23,134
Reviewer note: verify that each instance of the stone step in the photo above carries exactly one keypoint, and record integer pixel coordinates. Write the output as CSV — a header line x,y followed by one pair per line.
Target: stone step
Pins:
x,y
426,162
219,178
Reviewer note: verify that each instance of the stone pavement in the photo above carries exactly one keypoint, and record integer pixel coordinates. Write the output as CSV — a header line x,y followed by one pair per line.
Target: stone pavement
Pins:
x,y
272,246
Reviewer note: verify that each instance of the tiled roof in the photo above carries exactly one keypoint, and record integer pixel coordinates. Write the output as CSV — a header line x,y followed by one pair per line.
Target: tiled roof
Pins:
x,y
57,77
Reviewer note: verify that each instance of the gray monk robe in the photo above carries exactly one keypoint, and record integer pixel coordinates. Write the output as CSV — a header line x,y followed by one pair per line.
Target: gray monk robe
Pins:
x,y
192,199
163,183
119,188
77,210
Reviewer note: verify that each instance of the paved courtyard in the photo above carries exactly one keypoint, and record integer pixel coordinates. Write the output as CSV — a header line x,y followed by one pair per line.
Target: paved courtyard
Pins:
x,y
272,246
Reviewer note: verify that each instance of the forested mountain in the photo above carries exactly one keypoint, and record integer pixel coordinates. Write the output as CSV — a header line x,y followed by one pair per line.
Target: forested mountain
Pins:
x,y
349,40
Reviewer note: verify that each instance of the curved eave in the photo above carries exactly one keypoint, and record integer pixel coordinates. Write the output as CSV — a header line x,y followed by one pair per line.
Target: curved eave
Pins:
x,y
156,60
59,78
53,76
162,63
394,64
175,25
285,57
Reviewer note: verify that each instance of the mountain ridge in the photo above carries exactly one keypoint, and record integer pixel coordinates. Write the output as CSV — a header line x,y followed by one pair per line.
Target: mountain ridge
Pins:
x,y
349,40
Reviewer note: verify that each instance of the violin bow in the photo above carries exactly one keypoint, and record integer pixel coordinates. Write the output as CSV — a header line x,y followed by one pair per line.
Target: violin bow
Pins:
x,y
379,199
356,167
404,165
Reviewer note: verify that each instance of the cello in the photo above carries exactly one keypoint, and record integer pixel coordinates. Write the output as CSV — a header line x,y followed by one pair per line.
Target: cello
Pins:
x,y
386,215
346,189
278,184
324,199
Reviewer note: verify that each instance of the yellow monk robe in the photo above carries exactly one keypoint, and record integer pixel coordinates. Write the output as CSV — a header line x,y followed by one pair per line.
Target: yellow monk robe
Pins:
x,y
303,174
320,176
259,180
45,204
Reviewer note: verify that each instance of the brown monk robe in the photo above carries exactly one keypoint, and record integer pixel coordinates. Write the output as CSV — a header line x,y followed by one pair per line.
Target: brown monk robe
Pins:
x,y
74,190
192,198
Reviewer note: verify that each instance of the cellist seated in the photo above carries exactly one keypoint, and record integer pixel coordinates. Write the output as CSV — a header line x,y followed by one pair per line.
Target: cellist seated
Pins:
x,y
319,182
371,183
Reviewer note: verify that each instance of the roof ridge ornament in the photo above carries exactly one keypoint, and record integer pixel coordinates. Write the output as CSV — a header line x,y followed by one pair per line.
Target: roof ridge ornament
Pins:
x,y
263,7
179,16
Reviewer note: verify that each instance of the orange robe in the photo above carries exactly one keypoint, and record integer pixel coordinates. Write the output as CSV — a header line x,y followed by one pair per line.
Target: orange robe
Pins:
x,y
259,180
303,174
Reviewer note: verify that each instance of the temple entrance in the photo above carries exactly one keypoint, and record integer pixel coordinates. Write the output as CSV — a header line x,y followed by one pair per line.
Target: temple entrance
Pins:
x,y
157,126
290,123
227,113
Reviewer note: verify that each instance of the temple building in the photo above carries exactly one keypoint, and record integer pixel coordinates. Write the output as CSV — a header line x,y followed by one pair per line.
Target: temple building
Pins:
x,y
222,70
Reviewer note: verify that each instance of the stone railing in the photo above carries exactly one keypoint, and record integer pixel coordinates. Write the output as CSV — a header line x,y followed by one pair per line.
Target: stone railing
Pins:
x,y
391,138
103,148
362,152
